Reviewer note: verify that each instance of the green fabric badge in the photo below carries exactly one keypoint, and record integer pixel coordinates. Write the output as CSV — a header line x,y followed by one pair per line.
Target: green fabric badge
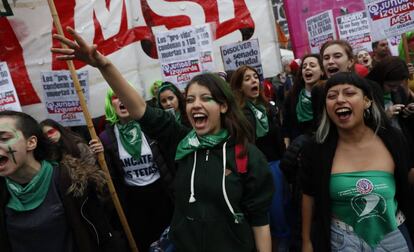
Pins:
x,y
304,111
262,124
387,98
130,135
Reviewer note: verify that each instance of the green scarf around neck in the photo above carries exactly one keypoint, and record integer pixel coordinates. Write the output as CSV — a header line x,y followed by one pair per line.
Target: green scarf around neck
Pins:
x,y
192,142
304,111
30,196
262,123
178,116
387,98
130,136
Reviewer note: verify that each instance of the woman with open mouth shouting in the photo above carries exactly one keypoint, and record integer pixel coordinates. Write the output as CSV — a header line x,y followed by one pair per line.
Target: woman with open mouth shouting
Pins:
x,y
364,58
141,175
356,195
265,123
298,116
337,57
221,198
49,201
299,125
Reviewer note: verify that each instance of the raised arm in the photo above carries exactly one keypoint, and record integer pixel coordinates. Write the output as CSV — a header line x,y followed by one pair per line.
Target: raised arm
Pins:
x,y
80,50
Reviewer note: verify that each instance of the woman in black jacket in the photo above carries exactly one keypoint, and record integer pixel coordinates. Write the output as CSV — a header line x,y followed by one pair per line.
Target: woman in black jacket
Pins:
x,y
48,201
356,194
220,204
264,120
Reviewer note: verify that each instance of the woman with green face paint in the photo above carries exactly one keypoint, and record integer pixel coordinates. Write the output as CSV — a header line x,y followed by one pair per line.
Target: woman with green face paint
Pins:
x,y
41,194
141,176
219,206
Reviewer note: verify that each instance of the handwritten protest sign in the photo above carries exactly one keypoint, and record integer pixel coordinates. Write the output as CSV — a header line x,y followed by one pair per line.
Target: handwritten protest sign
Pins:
x,y
354,28
184,53
8,95
243,53
62,102
320,29
390,17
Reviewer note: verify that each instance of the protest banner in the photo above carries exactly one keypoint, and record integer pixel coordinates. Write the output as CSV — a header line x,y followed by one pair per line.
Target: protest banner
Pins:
x,y
390,17
8,94
205,41
124,31
243,53
320,29
298,11
184,53
354,28
60,98
5,9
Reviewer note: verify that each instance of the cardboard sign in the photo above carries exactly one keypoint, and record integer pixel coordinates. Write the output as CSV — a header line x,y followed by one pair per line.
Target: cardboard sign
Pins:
x,y
390,17
8,95
60,98
355,29
320,30
184,53
243,53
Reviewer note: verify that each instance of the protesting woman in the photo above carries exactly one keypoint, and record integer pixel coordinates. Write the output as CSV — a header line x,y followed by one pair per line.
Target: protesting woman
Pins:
x,y
263,117
46,205
298,108
140,174
218,206
354,177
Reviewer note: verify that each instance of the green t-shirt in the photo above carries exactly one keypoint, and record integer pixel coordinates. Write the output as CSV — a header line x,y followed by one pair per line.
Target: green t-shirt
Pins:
x,y
366,201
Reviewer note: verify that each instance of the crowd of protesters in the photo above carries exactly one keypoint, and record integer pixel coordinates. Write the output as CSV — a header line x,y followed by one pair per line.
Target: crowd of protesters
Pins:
x,y
321,158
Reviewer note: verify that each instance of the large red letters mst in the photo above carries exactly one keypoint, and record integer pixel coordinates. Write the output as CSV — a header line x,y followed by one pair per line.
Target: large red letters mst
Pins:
x,y
242,22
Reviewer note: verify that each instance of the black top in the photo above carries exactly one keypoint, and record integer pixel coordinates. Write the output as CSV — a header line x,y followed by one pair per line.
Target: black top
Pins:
x,y
272,143
46,221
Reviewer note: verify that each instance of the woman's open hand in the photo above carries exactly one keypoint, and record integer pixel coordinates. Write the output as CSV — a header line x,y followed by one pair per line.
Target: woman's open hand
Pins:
x,y
79,49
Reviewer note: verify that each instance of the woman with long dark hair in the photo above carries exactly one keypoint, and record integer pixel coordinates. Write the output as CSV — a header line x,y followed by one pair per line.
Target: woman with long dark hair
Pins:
x,y
356,195
219,205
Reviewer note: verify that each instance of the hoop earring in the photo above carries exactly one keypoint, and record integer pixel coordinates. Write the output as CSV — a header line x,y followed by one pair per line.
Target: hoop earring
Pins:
x,y
367,113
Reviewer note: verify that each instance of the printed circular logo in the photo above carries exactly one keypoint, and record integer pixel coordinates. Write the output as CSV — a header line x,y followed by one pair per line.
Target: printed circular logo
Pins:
x,y
364,186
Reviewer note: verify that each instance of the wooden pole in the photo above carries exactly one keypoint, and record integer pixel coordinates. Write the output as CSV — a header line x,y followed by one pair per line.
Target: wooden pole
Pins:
x,y
406,51
101,158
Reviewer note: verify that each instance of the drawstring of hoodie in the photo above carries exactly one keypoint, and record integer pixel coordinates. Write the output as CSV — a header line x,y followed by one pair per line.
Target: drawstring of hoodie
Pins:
x,y
192,198
238,217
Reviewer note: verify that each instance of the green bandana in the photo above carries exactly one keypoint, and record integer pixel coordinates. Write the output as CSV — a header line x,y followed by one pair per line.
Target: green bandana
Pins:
x,y
387,98
130,135
25,198
192,142
304,111
262,124
178,116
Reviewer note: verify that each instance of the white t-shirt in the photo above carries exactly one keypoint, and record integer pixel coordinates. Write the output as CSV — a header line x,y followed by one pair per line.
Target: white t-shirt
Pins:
x,y
138,172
